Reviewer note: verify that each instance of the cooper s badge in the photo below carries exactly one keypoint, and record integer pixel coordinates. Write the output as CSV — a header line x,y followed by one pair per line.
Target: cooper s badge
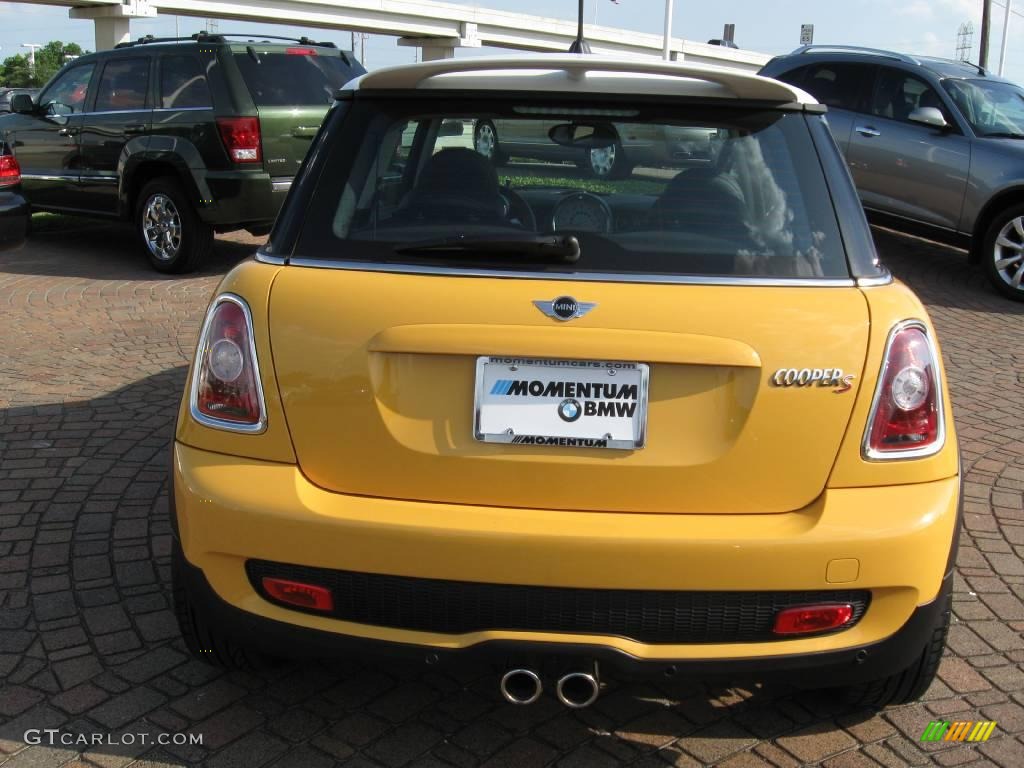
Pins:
x,y
813,377
564,308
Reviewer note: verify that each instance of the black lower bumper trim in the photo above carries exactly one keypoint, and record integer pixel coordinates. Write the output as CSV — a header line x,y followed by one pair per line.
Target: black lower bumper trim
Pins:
x,y
829,668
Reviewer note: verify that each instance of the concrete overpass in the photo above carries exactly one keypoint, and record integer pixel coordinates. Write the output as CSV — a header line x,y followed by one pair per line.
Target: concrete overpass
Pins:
x,y
436,27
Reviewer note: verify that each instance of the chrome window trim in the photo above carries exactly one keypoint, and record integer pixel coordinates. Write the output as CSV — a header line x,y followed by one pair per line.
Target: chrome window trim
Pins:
x,y
115,112
868,453
592,277
181,109
874,282
266,258
193,405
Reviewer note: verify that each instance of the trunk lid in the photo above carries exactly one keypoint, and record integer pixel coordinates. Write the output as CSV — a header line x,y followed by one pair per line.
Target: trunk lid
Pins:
x,y
379,390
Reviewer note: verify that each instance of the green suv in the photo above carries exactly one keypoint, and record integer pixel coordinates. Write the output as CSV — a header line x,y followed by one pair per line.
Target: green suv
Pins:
x,y
184,137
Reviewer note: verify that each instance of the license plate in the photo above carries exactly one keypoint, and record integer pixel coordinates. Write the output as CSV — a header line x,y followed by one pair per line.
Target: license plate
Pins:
x,y
567,403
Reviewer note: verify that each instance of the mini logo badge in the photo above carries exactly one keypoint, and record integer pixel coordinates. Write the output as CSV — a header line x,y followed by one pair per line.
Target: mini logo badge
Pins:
x,y
569,410
564,307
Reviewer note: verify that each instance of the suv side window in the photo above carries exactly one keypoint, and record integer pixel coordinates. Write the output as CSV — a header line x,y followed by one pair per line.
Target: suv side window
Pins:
x,y
840,85
123,85
899,93
183,83
67,94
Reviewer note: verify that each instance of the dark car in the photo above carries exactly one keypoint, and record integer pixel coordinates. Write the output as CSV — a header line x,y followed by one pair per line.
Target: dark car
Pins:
x,y
935,147
6,94
183,137
13,207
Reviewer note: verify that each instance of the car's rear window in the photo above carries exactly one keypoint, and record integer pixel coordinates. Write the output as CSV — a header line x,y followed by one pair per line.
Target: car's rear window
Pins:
x,y
298,76
653,190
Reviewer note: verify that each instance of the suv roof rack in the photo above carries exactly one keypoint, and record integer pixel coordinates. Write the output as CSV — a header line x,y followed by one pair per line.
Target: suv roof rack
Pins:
x,y
905,58
220,37
980,69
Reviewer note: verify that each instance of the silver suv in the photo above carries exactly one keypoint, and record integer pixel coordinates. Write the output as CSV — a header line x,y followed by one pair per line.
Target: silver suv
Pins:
x,y
935,147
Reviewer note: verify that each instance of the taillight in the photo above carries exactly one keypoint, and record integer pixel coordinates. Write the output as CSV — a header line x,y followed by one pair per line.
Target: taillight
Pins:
x,y
241,137
906,418
812,618
10,171
300,51
226,388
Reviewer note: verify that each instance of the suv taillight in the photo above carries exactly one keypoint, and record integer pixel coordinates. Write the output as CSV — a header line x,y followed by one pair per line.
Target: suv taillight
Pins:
x,y
10,171
241,137
226,388
906,415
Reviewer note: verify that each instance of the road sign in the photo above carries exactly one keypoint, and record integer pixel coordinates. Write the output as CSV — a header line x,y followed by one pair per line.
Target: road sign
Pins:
x,y
806,34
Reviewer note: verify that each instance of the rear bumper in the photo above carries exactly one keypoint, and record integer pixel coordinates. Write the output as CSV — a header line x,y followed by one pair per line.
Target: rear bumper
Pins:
x,y
845,666
242,198
894,542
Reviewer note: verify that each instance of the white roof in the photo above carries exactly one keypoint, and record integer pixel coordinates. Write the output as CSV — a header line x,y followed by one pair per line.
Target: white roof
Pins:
x,y
566,72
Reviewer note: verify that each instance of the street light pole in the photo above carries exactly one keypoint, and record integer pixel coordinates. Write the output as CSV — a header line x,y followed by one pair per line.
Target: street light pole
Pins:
x,y
665,54
986,13
31,56
1006,29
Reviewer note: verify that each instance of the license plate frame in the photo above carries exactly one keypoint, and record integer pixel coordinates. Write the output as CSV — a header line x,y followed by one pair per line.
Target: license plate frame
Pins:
x,y
546,417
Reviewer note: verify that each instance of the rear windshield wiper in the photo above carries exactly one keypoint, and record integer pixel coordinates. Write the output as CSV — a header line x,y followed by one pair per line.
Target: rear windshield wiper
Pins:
x,y
554,247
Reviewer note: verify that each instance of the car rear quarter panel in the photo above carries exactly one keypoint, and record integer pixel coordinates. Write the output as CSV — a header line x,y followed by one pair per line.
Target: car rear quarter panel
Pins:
x,y
250,280
889,305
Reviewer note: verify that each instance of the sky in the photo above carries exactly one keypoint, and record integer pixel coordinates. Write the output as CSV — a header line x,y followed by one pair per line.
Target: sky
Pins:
x,y
927,27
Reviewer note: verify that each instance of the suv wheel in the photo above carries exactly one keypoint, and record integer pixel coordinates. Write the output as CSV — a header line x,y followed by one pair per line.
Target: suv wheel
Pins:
x,y
485,141
175,238
1003,252
608,162
910,684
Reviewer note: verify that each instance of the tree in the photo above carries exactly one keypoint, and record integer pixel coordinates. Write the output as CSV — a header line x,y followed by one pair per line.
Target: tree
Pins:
x,y
15,70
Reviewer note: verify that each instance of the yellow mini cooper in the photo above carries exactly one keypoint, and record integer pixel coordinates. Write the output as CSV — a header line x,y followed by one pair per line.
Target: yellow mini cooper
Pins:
x,y
680,423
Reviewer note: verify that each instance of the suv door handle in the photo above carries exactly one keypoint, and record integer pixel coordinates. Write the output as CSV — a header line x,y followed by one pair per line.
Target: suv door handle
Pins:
x,y
867,130
72,131
305,131
133,130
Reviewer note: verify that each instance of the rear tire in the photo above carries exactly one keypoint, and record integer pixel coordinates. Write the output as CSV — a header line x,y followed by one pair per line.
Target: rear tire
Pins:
x,y
910,684
175,239
201,638
1002,252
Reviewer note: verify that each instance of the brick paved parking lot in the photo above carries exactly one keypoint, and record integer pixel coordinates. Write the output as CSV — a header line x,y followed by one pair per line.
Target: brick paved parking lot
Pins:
x,y
93,353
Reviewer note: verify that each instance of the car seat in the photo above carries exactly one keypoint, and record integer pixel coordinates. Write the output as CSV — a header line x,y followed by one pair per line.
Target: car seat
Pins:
x,y
456,185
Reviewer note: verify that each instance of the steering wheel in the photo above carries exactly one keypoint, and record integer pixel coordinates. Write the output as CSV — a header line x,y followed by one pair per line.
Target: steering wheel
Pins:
x,y
518,209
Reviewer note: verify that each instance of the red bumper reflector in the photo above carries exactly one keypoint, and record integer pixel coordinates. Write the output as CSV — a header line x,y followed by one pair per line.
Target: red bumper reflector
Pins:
x,y
811,618
297,593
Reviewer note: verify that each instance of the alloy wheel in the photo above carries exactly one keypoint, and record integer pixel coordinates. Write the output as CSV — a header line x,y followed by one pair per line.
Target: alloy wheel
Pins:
x,y
161,227
602,160
485,140
1008,253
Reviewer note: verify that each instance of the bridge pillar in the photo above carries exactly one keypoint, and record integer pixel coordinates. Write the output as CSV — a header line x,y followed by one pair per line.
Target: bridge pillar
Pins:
x,y
113,22
434,48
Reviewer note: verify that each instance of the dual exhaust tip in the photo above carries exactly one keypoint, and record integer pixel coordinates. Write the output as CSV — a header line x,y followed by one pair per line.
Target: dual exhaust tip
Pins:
x,y
575,690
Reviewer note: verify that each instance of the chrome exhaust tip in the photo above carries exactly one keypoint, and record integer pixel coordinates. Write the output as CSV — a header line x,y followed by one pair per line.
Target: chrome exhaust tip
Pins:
x,y
578,689
521,686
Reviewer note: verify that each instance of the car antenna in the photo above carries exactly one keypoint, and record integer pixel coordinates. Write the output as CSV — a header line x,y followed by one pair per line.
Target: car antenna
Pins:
x,y
579,45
